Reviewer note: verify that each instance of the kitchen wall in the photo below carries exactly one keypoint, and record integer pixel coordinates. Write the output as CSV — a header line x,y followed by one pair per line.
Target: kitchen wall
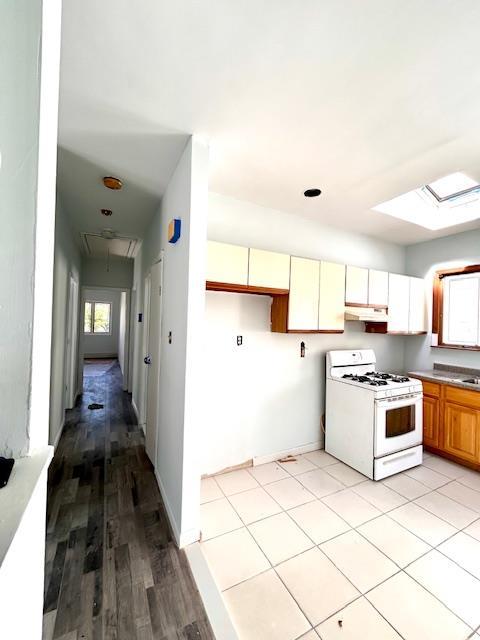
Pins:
x,y
423,260
98,345
265,398
67,263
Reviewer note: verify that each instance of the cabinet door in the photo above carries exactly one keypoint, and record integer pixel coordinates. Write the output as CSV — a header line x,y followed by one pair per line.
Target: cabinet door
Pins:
x,y
398,302
304,293
331,310
269,269
356,290
417,321
227,263
430,421
462,431
378,287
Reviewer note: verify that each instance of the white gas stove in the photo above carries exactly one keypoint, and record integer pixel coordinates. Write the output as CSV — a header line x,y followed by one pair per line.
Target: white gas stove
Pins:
x,y
373,419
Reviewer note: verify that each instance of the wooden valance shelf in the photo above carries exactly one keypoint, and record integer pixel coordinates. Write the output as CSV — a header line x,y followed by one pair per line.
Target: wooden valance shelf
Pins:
x,y
244,288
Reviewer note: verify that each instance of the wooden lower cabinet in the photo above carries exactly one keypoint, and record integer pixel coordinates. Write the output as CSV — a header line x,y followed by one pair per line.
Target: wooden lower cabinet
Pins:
x,y
431,412
451,422
461,435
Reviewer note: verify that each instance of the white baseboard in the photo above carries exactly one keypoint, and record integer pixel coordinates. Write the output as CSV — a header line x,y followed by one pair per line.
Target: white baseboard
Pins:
x,y
215,608
99,356
182,538
59,434
136,411
296,451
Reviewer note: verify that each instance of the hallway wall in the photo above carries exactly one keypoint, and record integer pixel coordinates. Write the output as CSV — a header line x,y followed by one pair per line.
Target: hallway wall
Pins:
x,y
103,345
119,274
19,121
67,261
183,298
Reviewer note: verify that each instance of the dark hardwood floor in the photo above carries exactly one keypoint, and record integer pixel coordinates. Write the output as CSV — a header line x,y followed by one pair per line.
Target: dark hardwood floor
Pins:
x,y
112,570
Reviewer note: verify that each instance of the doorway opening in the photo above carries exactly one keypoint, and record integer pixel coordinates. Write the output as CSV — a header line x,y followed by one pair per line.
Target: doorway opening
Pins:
x,y
105,334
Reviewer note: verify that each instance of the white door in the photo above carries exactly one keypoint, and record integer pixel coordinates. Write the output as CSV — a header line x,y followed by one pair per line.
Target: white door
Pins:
x,y
398,423
378,288
227,263
417,320
268,269
145,322
153,366
356,291
331,309
72,345
304,290
398,303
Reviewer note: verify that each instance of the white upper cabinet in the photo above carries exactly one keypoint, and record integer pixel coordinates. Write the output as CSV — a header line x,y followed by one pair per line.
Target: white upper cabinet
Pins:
x,y
398,303
356,291
378,288
227,263
417,320
331,310
269,269
304,294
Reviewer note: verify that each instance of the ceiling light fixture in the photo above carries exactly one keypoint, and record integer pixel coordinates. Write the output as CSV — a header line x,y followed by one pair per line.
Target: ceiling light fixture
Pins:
x,y
312,193
112,183
106,212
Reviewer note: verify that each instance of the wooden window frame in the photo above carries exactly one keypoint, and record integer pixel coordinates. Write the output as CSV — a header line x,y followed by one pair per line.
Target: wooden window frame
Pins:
x,y
437,309
92,324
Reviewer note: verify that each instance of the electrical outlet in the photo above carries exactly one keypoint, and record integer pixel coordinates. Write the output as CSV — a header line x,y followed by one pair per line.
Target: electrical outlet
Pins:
x,y
239,341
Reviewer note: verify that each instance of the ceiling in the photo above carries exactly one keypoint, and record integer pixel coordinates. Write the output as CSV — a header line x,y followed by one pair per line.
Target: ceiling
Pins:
x,y
365,100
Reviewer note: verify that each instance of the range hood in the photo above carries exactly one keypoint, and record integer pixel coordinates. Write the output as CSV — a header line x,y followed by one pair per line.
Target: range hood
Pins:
x,y
366,314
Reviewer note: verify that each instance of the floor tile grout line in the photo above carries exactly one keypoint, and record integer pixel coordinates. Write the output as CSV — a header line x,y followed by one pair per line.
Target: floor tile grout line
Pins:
x,y
432,547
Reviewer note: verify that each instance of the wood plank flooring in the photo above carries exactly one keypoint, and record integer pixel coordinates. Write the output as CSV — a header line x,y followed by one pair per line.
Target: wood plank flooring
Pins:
x,y
112,571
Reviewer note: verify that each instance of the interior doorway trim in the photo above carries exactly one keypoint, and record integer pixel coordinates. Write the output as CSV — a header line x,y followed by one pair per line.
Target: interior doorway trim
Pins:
x,y
81,345
71,351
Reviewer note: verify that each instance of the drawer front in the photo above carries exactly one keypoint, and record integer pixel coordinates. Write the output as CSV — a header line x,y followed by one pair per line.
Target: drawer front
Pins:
x,y
463,396
431,388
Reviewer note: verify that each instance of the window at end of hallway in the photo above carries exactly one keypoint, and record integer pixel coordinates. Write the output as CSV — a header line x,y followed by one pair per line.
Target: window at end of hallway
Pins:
x,y
97,317
456,307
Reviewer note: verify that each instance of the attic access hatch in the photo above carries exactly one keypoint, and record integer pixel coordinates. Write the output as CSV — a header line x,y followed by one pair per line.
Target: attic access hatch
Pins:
x,y
99,245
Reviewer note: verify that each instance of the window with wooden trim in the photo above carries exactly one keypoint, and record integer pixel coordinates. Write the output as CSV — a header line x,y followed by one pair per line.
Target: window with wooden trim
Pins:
x,y
456,307
97,318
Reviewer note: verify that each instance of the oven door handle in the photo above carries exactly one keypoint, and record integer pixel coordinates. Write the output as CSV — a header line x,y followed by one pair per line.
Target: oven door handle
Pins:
x,y
404,401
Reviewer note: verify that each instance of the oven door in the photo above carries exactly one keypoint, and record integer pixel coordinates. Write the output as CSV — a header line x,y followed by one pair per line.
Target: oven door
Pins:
x,y
398,423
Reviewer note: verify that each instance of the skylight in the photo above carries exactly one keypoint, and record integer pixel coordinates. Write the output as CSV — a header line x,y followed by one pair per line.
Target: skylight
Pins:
x,y
451,186
446,202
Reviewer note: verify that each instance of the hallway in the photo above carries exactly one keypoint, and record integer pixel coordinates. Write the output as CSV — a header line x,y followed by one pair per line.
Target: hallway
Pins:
x,y
112,570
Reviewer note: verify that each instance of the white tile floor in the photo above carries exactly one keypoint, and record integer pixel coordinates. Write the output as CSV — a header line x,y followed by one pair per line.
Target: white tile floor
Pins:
x,y
312,549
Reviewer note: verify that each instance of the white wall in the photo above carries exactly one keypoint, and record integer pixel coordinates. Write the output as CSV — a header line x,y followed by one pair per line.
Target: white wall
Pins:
x,y
100,345
122,329
29,66
118,273
423,260
19,120
266,398
67,263
180,392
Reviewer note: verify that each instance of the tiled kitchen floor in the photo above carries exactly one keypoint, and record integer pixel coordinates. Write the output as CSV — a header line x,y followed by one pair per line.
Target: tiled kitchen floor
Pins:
x,y
311,549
